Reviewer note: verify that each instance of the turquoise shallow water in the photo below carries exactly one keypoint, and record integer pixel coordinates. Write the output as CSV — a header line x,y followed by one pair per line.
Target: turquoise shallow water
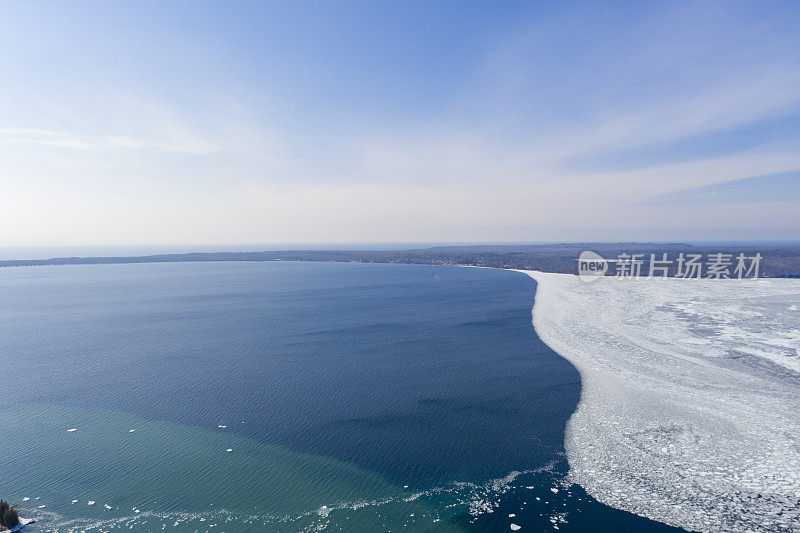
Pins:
x,y
353,397
175,475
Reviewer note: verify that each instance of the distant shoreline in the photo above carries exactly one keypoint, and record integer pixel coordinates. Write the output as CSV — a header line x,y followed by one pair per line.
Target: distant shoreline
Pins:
x,y
778,261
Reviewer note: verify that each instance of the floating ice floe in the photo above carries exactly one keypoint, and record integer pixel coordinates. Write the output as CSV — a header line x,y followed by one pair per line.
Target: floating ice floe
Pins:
x,y
690,396
515,527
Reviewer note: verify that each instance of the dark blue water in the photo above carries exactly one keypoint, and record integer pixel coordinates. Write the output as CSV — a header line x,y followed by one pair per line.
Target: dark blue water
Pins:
x,y
359,397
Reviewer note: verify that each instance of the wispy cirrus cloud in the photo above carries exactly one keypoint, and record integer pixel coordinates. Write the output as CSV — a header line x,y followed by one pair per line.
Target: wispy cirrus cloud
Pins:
x,y
31,137
575,115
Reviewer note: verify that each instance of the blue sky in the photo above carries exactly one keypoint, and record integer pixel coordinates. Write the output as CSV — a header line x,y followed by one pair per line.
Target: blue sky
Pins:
x,y
270,122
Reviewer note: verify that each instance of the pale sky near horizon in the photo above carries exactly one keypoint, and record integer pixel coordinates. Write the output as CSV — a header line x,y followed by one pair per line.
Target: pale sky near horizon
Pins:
x,y
376,121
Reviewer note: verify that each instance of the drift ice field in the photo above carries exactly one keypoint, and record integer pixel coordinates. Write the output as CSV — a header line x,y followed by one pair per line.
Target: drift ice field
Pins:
x,y
690,403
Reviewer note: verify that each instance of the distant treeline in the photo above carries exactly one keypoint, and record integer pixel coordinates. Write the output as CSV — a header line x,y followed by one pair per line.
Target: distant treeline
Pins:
x,y
9,517
777,261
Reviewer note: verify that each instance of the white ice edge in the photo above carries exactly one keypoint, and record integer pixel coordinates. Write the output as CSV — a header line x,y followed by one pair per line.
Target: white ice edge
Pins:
x,y
22,523
690,402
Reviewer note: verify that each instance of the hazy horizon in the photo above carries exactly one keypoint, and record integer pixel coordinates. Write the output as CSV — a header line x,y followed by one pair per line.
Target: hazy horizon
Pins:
x,y
35,252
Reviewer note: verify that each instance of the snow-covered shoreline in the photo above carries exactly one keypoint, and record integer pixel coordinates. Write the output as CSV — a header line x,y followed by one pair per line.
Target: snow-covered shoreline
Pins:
x,y
690,407
22,523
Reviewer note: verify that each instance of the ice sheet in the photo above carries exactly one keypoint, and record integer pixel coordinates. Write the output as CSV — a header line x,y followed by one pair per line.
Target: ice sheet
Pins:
x,y
690,407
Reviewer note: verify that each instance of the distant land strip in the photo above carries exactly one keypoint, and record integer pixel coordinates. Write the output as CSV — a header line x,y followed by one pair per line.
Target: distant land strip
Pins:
x,y
778,261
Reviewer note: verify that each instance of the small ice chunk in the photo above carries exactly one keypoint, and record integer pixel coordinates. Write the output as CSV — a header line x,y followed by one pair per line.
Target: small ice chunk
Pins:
x,y
554,490
512,515
515,527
